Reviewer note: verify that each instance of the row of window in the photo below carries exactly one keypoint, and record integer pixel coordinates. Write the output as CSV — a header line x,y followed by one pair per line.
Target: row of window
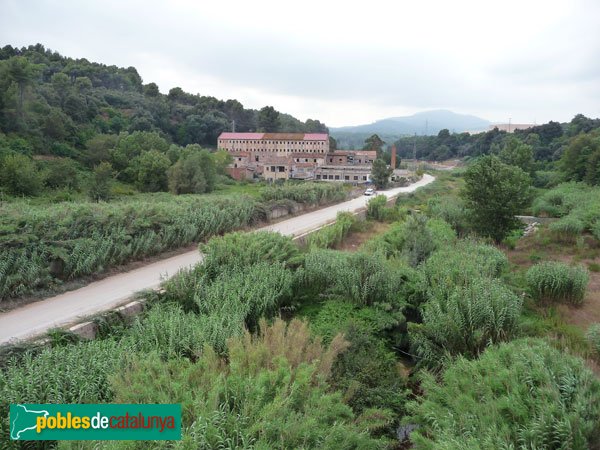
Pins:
x,y
319,143
337,177
287,150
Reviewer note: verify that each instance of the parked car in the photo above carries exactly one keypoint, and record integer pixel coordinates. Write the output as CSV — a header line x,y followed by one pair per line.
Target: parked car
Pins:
x,y
370,191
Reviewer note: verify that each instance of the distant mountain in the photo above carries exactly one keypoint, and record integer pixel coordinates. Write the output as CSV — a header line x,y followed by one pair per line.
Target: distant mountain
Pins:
x,y
428,121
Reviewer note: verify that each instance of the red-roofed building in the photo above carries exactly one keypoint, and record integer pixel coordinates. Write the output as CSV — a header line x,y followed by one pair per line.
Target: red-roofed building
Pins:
x,y
303,156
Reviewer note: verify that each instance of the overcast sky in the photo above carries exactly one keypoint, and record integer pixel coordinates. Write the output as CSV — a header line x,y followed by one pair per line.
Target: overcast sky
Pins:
x,y
344,63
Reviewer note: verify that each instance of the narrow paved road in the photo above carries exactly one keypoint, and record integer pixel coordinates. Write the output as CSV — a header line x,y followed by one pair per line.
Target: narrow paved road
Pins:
x,y
35,318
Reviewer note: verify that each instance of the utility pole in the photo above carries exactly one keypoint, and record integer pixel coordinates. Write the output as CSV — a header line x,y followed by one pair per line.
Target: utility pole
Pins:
x,y
415,150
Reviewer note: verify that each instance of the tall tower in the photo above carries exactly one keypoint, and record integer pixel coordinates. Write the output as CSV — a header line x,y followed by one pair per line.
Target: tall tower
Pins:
x,y
393,162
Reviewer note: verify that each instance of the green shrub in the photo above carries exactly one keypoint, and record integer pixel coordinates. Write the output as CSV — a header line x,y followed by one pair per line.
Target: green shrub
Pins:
x,y
553,281
593,337
41,246
414,239
513,237
451,210
361,278
336,316
521,394
309,193
596,229
458,265
68,374
567,229
332,235
376,207
367,372
246,249
168,331
270,392
465,322
244,294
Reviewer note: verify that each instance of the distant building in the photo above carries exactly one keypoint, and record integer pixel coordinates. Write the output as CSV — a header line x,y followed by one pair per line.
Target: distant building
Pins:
x,y
301,156
511,127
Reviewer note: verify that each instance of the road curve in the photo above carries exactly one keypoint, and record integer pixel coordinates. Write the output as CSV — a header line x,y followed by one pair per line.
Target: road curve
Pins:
x,y
36,318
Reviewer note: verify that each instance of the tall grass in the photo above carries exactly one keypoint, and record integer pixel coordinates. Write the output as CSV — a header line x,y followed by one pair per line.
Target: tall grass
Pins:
x,y
69,374
553,281
520,394
309,193
41,247
465,322
332,235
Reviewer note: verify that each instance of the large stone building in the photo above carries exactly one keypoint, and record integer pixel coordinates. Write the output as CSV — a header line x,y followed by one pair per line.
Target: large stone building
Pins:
x,y
303,156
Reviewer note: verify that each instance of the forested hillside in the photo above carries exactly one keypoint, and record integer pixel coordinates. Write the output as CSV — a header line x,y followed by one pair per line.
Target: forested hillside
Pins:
x,y
61,118
548,142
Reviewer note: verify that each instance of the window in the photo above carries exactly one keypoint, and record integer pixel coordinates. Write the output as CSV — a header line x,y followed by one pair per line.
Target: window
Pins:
x,y
315,160
281,168
256,158
337,177
272,168
346,177
365,177
318,177
356,177
330,159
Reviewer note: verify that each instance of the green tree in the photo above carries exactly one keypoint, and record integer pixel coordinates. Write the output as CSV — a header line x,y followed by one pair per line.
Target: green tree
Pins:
x,y
494,192
577,157
23,73
62,173
101,182
150,171
268,120
374,143
380,173
222,159
516,153
62,86
20,175
194,173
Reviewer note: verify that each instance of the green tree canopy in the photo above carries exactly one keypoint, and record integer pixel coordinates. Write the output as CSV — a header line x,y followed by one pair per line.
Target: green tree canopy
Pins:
x,y
268,120
495,192
380,173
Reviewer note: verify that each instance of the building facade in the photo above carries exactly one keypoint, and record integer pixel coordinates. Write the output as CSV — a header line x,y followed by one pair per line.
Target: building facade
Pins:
x,y
301,156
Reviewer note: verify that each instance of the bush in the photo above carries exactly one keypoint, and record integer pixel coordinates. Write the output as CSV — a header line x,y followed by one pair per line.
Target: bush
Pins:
x,y
521,394
42,245
458,265
361,278
270,392
168,331
71,374
451,210
414,239
19,175
246,249
376,207
465,322
309,193
593,337
367,372
553,281
332,235
567,229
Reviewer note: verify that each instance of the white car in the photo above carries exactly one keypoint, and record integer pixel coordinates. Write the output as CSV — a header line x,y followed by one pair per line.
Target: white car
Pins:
x,y
370,191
